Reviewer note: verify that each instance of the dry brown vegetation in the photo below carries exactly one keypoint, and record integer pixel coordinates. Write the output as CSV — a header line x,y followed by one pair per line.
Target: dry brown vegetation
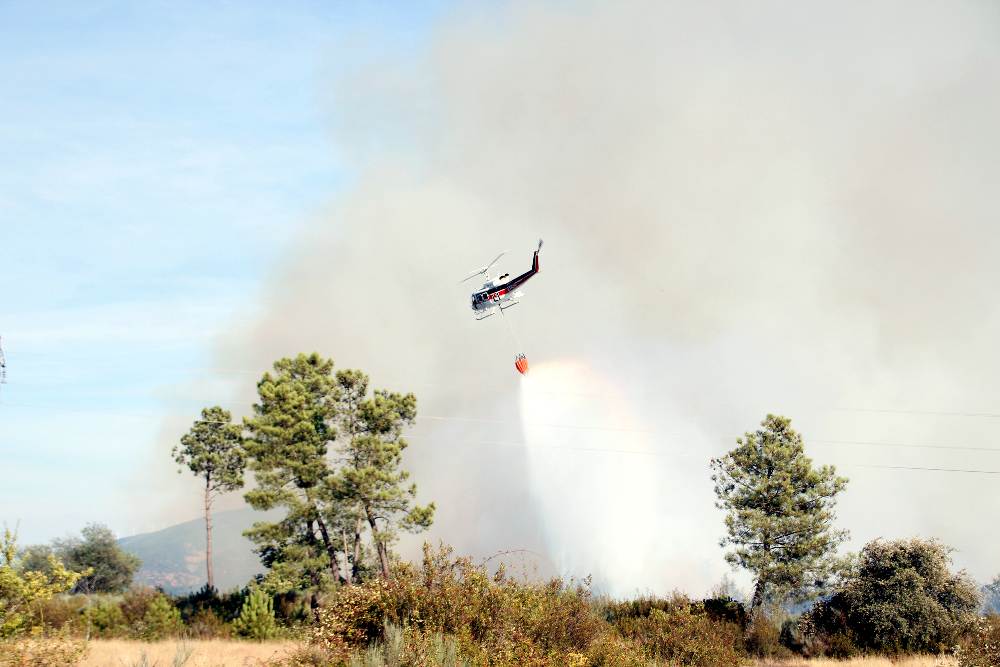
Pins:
x,y
913,661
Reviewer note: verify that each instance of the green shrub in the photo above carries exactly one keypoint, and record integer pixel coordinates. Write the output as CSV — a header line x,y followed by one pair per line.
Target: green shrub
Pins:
x,y
62,612
612,650
680,630
981,648
20,589
494,619
901,598
104,618
162,619
205,624
134,605
763,638
840,646
256,619
409,646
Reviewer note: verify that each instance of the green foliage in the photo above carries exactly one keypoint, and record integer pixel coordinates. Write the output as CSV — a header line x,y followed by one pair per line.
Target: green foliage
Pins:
x,y
256,619
779,513
61,612
305,414
35,558
206,624
512,623
901,597
763,638
678,631
287,445
407,646
370,484
161,620
105,567
213,450
19,588
451,612
105,619
135,602
225,606
981,648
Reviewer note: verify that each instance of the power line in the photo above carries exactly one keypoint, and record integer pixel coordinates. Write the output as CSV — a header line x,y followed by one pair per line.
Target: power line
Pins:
x,y
933,413
908,445
966,470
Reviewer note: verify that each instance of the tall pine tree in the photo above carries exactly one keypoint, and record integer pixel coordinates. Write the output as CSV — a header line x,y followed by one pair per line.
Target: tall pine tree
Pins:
x,y
371,484
213,450
779,512
288,440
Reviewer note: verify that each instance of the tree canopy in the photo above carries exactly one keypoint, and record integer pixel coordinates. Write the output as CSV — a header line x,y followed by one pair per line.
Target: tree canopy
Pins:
x,y
20,587
213,450
106,567
370,484
288,439
901,596
779,512
330,453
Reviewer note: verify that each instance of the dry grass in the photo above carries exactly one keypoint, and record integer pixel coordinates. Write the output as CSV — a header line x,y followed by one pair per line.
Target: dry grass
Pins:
x,y
204,653
922,661
221,653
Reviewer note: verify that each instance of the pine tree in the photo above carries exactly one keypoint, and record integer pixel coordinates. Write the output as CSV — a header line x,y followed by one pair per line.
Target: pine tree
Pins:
x,y
162,619
288,440
779,512
370,484
213,450
256,619
329,453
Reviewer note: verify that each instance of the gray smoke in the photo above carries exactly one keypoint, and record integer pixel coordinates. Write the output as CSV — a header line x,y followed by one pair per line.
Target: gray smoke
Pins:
x,y
747,207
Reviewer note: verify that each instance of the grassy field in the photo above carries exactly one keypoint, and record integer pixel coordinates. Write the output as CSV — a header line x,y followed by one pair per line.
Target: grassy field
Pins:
x,y
213,653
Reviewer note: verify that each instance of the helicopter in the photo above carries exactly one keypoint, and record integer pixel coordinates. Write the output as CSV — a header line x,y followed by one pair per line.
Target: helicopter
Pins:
x,y
499,292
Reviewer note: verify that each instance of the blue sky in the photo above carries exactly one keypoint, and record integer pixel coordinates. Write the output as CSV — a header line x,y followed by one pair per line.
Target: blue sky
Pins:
x,y
157,160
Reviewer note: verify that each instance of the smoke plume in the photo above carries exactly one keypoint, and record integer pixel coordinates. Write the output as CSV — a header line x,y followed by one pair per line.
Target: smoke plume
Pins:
x,y
747,208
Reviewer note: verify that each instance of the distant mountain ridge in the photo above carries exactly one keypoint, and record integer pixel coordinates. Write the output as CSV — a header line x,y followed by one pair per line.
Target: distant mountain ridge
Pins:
x,y
174,558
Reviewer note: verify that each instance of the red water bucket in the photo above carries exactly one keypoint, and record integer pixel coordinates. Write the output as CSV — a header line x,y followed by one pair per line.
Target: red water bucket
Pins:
x,y
521,364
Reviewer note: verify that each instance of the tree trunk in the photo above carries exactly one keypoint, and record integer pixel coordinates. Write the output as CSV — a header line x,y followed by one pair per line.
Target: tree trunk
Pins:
x,y
208,532
357,547
348,570
331,550
383,553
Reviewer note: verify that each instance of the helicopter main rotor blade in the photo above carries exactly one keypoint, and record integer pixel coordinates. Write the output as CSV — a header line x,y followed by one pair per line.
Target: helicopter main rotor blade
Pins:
x,y
480,272
495,260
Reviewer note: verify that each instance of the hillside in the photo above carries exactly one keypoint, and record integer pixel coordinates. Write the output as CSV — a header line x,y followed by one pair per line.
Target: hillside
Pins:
x,y
174,558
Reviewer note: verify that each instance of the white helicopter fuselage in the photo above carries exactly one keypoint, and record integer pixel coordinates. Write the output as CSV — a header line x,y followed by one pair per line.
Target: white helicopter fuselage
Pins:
x,y
489,296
